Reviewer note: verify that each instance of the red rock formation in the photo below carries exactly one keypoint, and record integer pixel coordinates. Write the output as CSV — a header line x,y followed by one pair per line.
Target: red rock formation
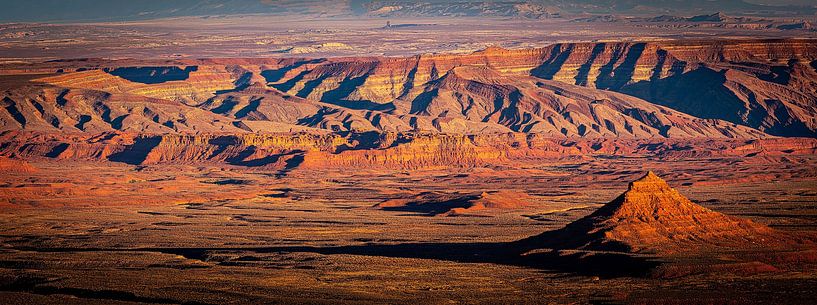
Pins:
x,y
418,151
15,166
652,217
438,204
763,84
38,108
745,80
377,150
528,104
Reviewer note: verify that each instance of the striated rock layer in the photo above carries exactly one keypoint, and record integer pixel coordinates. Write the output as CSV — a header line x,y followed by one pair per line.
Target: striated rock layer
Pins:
x,y
652,217
377,150
8,165
442,204
690,89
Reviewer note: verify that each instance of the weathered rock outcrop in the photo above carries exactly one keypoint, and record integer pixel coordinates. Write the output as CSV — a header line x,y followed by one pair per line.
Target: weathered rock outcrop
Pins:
x,y
652,217
768,85
8,165
377,150
443,204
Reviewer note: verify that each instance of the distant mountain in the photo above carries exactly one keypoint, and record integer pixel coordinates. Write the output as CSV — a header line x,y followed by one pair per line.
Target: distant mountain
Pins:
x,y
674,89
526,9
123,10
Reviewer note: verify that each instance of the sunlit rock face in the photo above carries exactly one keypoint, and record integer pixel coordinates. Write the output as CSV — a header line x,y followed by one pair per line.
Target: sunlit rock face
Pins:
x,y
652,217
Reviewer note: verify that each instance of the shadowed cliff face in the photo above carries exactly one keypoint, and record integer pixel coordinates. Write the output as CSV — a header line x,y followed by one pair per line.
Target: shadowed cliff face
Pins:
x,y
740,82
652,217
711,89
285,152
153,75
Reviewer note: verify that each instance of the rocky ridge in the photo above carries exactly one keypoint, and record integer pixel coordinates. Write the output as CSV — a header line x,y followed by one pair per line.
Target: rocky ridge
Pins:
x,y
767,85
652,217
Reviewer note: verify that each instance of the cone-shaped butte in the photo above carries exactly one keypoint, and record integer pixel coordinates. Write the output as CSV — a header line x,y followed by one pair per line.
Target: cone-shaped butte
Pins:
x,y
652,217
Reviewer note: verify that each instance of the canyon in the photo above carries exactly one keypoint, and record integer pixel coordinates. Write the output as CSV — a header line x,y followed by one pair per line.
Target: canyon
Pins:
x,y
508,153
755,88
489,107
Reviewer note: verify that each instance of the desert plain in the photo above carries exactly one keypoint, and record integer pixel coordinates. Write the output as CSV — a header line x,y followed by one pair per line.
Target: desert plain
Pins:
x,y
437,160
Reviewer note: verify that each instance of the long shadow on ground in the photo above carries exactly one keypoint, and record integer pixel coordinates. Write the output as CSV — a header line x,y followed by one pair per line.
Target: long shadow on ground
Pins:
x,y
602,264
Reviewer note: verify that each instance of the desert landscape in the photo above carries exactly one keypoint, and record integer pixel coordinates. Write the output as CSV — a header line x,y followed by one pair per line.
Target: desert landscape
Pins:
x,y
408,152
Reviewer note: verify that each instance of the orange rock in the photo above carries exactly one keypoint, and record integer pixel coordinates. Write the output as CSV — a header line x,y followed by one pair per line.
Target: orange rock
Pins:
x,y
652,217
8,165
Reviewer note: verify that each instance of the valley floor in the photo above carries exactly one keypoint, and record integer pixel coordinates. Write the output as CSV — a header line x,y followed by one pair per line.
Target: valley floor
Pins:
x,y
108,233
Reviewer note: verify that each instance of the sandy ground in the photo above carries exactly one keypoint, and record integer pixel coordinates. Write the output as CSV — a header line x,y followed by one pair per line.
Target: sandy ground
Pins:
x,y
106,233
276,36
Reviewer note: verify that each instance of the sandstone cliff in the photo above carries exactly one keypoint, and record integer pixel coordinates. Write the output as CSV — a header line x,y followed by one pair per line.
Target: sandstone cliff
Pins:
x,y
652,217
767,85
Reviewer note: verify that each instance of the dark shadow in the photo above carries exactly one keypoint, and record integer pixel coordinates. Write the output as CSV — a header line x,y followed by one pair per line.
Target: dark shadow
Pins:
x,y
289,84
275,75
420,103
659,66
264,161
602,264
338,96
291,164
11,107
777,74
83,119
40,287
317,118
434,206
221,143
624,72
251,107
117,122
409,83
103,111
38,106
557,59
241,159
280,193
716,102
789,126
225,107
538,252
606,71
136,153
57,150
310,86
61,98
365,140
152,75
230,182
584,70
241,83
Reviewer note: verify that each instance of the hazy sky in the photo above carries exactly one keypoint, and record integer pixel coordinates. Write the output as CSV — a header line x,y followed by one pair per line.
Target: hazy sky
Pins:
x,y
116,10
784,2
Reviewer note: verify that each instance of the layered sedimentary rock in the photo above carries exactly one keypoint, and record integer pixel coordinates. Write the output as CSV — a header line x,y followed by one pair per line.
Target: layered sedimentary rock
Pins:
x,y
765,84
8,165
411,152
200,83
528,104
652,217
38,108
443,204
377,150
